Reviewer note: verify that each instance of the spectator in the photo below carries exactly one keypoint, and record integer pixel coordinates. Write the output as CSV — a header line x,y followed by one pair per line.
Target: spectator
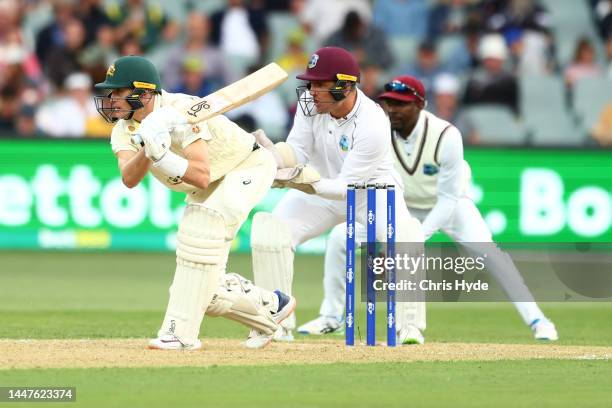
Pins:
x,y
583,65
603,16
196,44
52,36
64,59
97,57
92,15
72,115
449,17
142,21
240,32
130,46
492,83
426,67
25,125
321,18
194,78
367,42
398,18
295,57
517,16
9,107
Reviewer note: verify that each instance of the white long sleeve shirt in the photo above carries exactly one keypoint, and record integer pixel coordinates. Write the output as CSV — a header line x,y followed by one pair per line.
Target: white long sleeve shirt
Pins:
x,y
450,184
353,149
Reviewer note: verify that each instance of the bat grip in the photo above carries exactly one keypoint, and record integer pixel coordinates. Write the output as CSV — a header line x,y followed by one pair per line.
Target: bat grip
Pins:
x,y
136,139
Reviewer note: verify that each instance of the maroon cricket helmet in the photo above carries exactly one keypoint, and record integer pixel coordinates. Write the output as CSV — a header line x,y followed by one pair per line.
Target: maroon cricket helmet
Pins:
x,y
331,64
404,88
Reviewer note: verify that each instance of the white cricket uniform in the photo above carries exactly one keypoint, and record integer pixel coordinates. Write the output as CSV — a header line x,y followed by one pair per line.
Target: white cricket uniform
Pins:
x,y
435,176
241,174
353,149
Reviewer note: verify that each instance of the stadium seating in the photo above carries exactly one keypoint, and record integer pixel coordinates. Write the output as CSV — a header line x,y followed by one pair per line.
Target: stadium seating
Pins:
x,y
590,96
496,125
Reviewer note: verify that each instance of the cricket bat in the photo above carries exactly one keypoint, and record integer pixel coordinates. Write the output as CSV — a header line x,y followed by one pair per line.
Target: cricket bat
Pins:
x,y
234,95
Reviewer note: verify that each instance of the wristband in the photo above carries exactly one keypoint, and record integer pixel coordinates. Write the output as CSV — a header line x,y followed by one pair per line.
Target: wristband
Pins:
x,y
172,165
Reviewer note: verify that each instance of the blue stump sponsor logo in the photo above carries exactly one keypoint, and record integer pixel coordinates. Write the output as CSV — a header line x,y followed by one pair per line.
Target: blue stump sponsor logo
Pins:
x,y
390,320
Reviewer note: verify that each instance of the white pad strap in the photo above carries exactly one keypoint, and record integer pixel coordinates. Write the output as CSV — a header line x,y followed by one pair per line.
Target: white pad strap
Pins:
x,y
272,255
238,299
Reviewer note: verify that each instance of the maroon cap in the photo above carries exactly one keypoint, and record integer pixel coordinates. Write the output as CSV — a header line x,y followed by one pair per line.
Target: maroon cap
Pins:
x,y
404,88
331,64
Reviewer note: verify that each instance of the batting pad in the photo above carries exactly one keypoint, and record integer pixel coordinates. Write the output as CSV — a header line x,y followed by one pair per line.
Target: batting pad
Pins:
x,y
411,311
272,256
201,252
238,299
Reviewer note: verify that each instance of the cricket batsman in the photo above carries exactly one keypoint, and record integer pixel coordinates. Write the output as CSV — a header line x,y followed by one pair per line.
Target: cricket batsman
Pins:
x,y
337,138
428,153
223,173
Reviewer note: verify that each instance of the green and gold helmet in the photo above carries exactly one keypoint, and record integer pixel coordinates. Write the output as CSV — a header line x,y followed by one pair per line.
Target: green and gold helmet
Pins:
x,y
132,72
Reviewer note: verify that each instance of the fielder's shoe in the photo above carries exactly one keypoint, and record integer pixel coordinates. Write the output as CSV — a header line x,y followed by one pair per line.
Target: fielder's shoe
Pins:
x,y
286,306
544,329
321,325
171,342
410,335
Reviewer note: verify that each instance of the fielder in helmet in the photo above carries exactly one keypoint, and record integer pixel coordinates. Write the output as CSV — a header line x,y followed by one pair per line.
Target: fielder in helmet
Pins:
x,y
339,137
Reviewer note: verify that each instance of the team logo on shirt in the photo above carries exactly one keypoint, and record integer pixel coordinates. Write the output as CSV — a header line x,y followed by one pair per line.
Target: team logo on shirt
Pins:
x,y
314,58
430,169
344,143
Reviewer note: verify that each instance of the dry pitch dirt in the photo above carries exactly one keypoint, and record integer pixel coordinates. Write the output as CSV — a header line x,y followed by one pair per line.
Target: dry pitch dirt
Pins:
x,y
225,352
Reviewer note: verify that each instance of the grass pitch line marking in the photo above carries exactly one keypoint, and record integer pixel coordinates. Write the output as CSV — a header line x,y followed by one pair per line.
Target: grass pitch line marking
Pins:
x,y
133,353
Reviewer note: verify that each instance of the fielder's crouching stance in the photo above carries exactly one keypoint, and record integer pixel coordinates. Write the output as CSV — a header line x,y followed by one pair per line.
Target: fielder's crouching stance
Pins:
x,y
224,174
339,136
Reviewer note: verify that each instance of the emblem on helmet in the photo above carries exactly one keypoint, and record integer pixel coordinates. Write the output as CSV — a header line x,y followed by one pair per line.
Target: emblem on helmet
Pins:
x,y
313,61
111,70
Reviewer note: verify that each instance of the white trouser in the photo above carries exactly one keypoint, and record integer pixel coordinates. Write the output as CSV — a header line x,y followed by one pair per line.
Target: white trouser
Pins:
x,y
309,216
466,226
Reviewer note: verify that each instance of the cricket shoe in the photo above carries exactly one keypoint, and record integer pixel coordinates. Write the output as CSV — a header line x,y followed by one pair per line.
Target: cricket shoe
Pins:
x,y
171,342
321,325
283,334
544,329
410,335
286,306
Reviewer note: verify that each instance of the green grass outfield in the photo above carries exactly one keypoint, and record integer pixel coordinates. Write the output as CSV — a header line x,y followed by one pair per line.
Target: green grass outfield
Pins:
x,y
111,295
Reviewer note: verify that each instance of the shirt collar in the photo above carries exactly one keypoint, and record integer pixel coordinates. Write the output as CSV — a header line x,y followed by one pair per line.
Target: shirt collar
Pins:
x,y
353,113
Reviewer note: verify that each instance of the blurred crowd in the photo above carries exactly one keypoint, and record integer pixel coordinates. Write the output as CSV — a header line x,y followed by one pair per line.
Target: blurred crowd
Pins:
x,y
543,72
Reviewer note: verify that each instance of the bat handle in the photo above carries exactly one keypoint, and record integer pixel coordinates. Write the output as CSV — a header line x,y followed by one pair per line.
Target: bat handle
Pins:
x,y
136,139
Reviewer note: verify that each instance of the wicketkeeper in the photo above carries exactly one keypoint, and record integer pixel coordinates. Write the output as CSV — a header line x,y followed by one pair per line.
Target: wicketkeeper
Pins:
x,y
223,173
339,136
